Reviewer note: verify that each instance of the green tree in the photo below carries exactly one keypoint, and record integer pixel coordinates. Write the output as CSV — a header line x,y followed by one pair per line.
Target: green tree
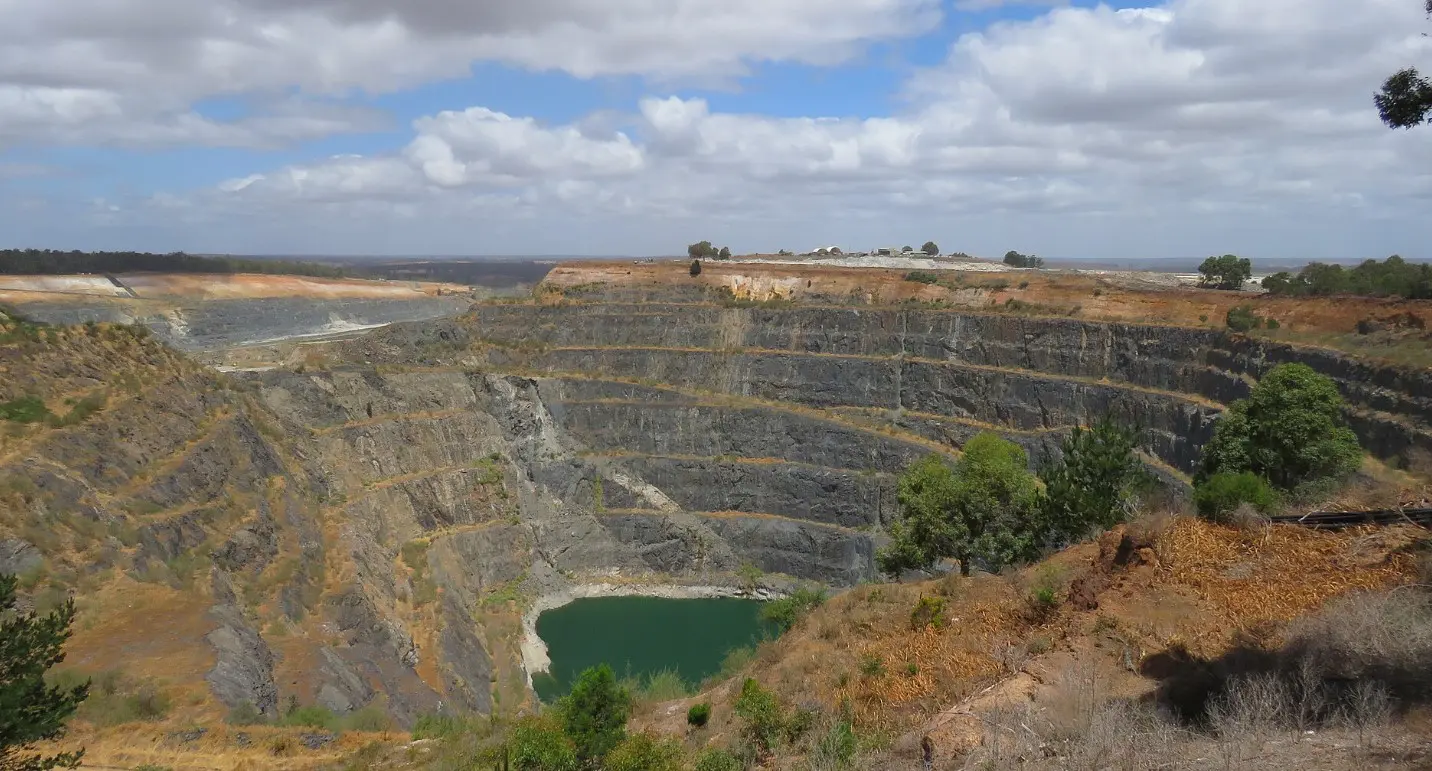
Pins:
x,y
986,508
695,268
30,710
702,250
594,714
724,254
1226,272
1290,430
930,248
1017,260
1406,97
906,249
1090,486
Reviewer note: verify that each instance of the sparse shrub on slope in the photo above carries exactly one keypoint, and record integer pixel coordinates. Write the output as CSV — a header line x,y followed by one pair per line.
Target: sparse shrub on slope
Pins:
x,y
786,611
1289,431
762,722
699,714
1242,319
539,744
644,752
1222,494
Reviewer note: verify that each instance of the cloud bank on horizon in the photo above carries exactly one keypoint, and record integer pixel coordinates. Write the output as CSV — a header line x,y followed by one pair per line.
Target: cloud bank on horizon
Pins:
x,y
637,126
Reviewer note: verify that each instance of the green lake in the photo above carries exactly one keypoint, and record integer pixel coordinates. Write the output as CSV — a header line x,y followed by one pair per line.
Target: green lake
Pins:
x,y
641,636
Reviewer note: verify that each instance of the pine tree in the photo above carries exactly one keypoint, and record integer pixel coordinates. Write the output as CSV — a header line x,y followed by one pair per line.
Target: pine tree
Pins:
x,y
1089,486
595,713
30,710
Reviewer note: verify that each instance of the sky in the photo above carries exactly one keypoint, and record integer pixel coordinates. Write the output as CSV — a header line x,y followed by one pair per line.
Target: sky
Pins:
x,y
635,127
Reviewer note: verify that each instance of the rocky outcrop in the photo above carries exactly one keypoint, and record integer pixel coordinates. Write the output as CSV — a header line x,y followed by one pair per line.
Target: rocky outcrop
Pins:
x,y
243,666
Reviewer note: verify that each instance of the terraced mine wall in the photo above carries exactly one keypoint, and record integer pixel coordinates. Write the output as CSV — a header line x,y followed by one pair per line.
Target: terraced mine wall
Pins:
x,y
367,533
1015,372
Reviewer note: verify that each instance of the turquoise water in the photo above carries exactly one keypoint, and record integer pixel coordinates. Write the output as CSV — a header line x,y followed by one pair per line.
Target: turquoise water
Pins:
x,y
640,636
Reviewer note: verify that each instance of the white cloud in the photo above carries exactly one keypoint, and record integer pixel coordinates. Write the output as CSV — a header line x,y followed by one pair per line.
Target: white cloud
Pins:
x,y
105,70
1198,126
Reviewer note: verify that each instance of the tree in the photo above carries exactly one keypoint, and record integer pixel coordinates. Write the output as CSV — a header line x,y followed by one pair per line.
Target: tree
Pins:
x,y
702,250
985,509
1406,97
724,254
1090,487
930,248
1017,260
30,710
1289,431
907,249
695,268
594,714
1226,272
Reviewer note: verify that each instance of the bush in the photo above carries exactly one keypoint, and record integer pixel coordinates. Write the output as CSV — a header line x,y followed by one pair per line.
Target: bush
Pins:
x,y
115,699
25,409
310,716
699,714
245,714
785,612
1222,494
872,665
836,748
928,611
538,744
718,760
695,268
1241,319
922,277
644,752
762,722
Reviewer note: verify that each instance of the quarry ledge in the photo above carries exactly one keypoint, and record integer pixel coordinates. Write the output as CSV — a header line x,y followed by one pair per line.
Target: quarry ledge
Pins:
x,y
534,649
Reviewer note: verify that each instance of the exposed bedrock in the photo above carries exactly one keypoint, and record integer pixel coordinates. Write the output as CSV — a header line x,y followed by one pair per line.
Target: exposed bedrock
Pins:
x,y
813,493
1211,364
1175,426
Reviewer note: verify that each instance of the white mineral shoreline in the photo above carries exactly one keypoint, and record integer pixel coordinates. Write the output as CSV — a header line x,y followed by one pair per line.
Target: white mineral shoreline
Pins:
x,y
534,648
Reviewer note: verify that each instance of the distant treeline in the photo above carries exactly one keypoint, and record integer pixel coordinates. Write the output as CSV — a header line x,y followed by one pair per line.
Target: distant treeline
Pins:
x,y
51,262
1393,277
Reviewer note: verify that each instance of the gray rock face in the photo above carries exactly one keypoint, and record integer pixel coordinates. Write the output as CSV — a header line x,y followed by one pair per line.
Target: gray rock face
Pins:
x,y
342,690
18,557
243,667
1210,364
467,668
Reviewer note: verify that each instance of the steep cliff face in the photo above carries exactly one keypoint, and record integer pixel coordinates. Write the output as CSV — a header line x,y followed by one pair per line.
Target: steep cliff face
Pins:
x,y
1002,369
